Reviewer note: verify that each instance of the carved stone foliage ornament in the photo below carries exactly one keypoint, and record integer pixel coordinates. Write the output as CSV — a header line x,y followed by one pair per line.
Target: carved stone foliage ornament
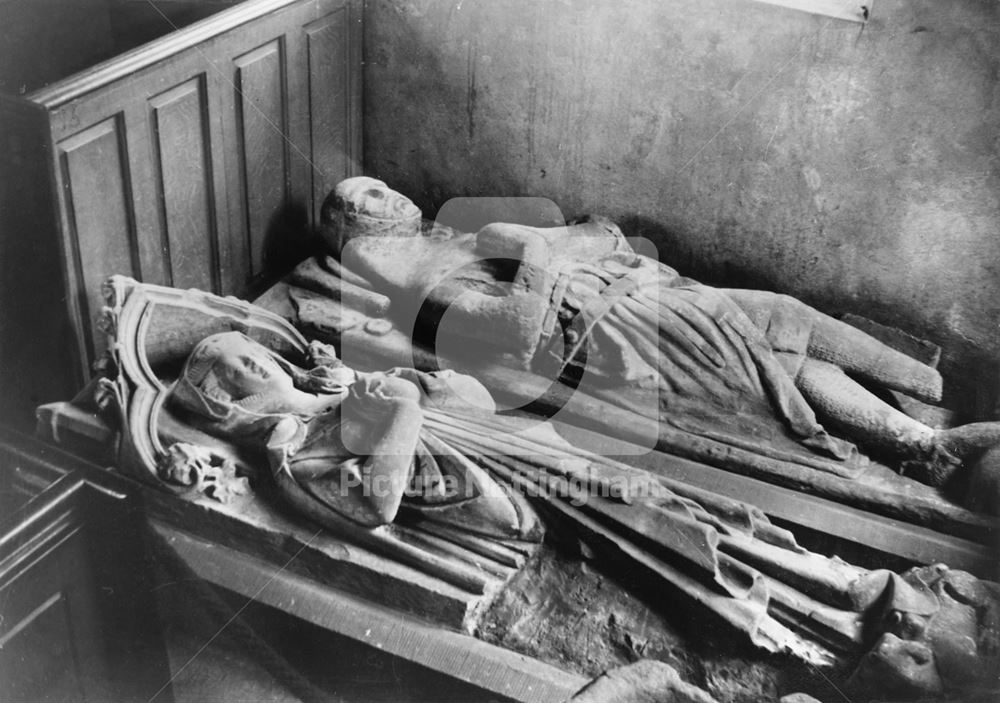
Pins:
x,y
203,470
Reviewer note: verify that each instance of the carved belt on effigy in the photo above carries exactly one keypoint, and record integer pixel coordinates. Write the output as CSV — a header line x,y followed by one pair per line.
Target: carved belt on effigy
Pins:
x,y
576,330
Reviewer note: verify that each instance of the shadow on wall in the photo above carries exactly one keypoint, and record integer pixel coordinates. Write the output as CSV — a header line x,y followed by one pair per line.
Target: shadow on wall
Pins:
x,y
757,146
288,239
676,251
434,103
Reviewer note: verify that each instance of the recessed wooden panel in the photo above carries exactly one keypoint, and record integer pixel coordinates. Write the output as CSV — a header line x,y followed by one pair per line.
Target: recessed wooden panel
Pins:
x,y
99,207
261,116
175,162
329,54
184,175
50,644
37,660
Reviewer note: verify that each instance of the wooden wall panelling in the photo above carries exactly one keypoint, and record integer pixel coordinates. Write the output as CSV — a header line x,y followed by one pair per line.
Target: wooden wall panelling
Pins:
x,y
227,276
35,332
50,643
324,118
219,189
261,147
76,584
176,162
286,236
99,222
333,51
287,98
22,476
139,169
184,184
169,138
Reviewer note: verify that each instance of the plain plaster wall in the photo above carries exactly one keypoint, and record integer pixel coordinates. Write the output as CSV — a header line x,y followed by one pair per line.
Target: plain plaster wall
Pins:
x,y
857,168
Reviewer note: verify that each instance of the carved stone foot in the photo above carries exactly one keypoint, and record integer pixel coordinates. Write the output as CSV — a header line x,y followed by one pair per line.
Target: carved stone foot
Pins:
x,y
967,441
952,449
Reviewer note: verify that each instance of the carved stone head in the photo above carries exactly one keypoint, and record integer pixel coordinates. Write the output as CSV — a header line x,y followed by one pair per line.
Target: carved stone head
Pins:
x,y
233,367
232,381
366,207
238,384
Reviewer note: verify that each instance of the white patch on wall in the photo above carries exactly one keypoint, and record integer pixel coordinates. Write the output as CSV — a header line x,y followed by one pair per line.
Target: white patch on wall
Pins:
x,y
850,10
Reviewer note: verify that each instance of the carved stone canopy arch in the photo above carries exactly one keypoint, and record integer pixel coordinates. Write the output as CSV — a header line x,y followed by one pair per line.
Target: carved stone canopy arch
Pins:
x,y
152,330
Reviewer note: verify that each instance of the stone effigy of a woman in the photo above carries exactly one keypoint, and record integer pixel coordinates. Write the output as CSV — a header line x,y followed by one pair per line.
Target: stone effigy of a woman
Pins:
x,y
757,372
366,448
349,445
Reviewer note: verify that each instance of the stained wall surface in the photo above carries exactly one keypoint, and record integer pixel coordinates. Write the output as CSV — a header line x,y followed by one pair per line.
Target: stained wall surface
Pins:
x,y
857,168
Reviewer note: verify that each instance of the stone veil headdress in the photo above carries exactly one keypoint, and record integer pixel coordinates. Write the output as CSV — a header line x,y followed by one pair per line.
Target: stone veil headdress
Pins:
x,y
198,390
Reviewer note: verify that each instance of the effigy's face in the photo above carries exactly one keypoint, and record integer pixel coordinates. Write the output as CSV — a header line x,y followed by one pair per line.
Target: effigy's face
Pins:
x,y
244,368
373,198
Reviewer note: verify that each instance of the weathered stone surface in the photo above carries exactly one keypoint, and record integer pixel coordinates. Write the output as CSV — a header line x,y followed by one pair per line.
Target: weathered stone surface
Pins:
x,y
798,698
920,349
749,370
646,681
718,565
577,616
930,415
984,483
863,179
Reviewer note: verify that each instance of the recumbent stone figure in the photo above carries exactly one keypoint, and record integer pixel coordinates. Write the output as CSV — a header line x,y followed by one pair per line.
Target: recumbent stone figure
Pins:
x,y
356,446
751,369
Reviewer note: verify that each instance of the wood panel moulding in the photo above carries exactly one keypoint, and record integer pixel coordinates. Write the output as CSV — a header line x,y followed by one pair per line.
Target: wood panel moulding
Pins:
x,y
183,159
175,162
76,595
262,149
97,205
